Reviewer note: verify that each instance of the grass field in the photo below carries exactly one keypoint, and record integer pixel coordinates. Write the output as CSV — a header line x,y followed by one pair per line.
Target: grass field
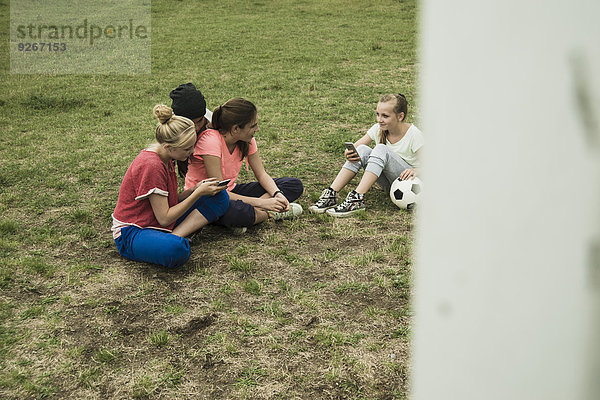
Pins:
x,y
313,308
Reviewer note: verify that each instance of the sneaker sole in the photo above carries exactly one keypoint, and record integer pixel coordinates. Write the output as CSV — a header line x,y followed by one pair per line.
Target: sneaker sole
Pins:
x,y
318,210
343,214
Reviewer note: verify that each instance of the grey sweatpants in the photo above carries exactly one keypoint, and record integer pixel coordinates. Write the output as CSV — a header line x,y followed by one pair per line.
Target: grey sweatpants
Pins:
x,y
381,161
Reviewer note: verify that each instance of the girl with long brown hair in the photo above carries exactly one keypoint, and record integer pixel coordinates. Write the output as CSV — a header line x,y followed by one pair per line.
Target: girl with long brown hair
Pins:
x,y
220,152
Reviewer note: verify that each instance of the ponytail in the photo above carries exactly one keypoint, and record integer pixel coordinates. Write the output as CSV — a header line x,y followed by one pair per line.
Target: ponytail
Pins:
x,y
182,167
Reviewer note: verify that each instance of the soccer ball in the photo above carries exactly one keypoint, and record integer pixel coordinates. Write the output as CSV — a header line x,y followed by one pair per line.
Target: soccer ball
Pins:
x,y
405,194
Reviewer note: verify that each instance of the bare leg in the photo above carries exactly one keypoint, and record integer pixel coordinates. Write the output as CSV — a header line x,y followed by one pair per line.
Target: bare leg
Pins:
x,y
368,179
190,224
260,215
342,179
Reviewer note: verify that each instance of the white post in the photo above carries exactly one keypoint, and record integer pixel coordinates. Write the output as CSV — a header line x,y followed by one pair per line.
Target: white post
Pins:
x,y
506,275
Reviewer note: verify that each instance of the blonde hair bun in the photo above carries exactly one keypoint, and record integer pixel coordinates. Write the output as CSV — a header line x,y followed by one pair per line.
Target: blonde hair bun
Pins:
x,y
163,113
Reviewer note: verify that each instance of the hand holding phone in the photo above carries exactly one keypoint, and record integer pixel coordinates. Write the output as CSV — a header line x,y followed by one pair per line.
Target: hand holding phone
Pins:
x,y
351,154
224,182
350,147
210,186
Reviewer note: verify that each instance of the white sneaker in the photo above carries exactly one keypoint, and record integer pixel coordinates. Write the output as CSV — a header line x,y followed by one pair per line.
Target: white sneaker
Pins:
x,y
238,230
294,211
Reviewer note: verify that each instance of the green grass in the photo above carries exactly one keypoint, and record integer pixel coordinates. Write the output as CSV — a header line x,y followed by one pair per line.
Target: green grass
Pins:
x,y
160,338
309,308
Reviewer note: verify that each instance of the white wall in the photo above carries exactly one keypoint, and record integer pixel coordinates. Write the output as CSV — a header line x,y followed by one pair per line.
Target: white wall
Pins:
x,y
502,289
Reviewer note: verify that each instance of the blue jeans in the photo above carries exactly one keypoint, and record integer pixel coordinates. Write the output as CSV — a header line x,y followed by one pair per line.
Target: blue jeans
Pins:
x,y
164,248
381,161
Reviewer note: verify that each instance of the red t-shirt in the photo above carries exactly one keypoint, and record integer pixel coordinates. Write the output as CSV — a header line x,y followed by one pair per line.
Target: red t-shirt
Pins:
x,y
146,175
212,143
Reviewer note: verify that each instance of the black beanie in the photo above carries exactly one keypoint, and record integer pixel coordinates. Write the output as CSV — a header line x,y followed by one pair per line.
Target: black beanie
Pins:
x,y
188,101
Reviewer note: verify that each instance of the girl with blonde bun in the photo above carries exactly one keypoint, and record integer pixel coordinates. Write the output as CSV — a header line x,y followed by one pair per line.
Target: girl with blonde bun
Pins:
x,y
151,220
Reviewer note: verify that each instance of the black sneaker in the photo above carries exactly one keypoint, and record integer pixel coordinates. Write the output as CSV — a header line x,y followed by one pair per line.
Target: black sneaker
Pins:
x,y
354,202
327,200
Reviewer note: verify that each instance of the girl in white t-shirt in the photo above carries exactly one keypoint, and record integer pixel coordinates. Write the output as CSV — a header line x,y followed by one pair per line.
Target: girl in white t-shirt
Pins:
x,y
394,155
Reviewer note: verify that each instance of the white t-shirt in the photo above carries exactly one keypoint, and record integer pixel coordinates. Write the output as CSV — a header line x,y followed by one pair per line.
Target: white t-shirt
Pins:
x,y
406,147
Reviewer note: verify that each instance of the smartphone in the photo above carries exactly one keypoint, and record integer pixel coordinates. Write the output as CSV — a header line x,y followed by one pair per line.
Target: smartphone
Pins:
x,y
350,146
224,182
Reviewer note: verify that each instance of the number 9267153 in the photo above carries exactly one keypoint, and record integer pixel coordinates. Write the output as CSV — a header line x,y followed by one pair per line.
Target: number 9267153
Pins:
x,y
53,46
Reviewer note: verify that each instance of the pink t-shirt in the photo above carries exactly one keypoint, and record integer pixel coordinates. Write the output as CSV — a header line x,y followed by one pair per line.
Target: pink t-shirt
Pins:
x,y
146,175
212,143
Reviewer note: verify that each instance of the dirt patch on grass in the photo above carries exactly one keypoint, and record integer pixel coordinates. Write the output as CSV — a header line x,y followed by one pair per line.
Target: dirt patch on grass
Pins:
x,y
310,308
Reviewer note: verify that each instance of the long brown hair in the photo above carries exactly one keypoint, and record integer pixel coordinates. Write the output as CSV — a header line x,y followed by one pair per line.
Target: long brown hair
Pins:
x,y
400,107
236,111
